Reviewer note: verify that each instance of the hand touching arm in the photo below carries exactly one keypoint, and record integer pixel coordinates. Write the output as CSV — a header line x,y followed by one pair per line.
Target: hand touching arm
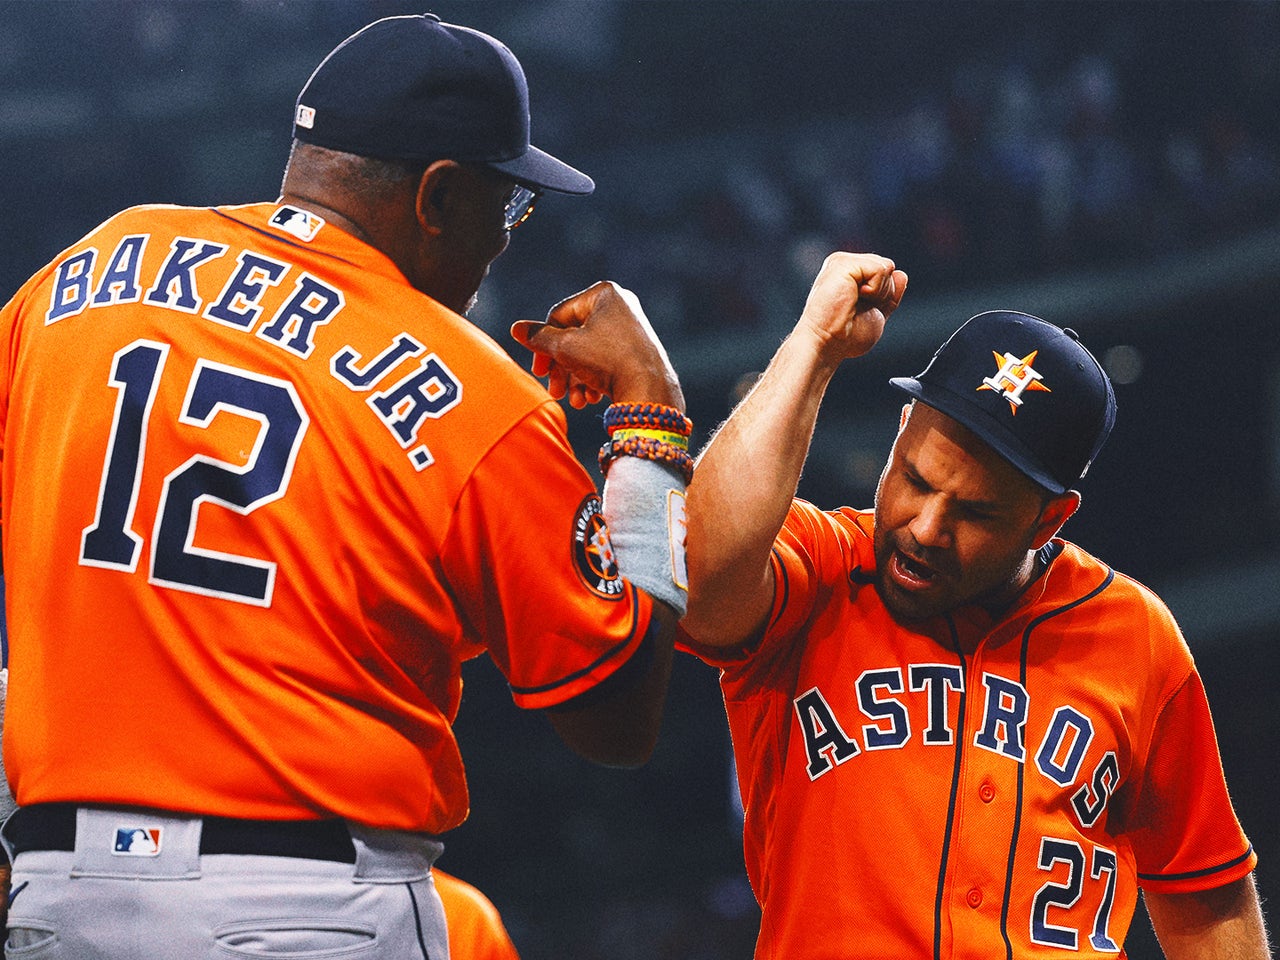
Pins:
x,y
597,343
746,477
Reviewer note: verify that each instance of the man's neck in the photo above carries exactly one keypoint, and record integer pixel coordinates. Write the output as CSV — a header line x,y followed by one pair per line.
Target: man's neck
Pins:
x,y
328,214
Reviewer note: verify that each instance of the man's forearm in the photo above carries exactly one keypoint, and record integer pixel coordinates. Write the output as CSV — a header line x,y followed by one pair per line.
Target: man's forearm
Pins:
x,y
743,485
1225,923
746,478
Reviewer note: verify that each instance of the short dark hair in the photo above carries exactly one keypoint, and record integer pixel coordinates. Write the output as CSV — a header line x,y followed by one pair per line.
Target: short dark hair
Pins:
x,y
358,175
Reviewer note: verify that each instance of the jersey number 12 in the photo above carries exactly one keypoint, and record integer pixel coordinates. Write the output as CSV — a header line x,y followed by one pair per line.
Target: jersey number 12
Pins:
x,y
111,542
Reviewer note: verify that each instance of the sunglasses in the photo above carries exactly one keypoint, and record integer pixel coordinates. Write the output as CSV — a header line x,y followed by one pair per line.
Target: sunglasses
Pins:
x,y
519,207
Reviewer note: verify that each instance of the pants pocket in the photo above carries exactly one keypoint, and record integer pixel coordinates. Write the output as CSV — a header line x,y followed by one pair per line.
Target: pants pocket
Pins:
x,y
30,943
295,938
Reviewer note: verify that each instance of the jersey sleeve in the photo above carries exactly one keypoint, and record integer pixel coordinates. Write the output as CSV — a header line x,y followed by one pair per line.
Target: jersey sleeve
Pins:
x,y
529,562
8,345
813,549
810,550
10,334
8,316
1184,831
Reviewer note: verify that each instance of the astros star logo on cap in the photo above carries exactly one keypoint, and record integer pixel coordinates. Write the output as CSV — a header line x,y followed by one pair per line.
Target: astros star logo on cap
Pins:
x,y
1014,376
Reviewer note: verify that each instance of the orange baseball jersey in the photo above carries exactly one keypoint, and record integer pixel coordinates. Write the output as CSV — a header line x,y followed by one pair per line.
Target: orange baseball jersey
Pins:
x,y
261,498
966,787
476,930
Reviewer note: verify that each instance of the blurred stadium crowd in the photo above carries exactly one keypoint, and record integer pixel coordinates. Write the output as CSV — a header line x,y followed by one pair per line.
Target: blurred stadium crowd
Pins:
x,y
1013,147
1088,139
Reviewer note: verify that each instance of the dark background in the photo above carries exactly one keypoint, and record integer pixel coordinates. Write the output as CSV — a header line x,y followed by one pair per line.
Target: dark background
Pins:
x,y
1113,167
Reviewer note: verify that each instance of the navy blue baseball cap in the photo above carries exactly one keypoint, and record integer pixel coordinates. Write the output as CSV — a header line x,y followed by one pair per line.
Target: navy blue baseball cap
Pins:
x,y
1027,388
414,88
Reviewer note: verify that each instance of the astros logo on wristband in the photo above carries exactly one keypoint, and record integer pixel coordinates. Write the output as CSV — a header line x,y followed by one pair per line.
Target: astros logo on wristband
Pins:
x,y
592,550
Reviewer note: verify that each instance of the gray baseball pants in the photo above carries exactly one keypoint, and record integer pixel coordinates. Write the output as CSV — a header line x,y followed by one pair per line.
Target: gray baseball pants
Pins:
x,y
137,886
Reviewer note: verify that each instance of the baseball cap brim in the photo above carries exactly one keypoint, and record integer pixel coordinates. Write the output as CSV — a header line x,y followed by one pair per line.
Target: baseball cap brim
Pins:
x,y
988,430
537,168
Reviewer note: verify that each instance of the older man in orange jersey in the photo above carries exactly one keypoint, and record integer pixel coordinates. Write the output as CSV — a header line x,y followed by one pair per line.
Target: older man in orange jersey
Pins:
x,y
265,488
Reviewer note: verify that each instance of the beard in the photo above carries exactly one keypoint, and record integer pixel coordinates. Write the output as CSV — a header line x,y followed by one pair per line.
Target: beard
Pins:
x,y
908,605
917,583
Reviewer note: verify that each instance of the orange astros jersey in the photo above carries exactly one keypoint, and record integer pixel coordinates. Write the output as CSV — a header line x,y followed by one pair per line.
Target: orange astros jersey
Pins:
x,y
966,788
476,930
260,500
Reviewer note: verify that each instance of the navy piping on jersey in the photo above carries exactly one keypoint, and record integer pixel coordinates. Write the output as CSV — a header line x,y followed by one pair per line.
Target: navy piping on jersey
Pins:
x,y
1191,875
608,654
785,585
951,804
633,670
861,578
1022,767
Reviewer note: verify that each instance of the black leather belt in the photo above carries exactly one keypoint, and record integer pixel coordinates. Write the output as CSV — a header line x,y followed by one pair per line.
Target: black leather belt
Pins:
x,y
52,826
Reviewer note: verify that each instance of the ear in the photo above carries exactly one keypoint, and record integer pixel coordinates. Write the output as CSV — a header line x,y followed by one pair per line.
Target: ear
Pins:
x,y
905,415
1055,513
437,191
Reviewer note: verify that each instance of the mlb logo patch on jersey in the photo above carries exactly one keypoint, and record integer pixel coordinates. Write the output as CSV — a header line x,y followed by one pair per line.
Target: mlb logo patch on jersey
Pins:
x,y
593,551
300,223
137,841
305,116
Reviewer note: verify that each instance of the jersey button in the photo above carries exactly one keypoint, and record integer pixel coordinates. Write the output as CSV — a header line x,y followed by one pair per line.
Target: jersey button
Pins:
x,y
974,897
987,791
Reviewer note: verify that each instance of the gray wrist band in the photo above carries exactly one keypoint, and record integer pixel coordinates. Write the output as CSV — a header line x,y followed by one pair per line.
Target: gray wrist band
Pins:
x,y
644,508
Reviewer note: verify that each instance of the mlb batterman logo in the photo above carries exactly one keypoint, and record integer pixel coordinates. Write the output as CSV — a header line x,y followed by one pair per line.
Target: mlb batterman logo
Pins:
x,y
1014,376
593,552
137,841
301,223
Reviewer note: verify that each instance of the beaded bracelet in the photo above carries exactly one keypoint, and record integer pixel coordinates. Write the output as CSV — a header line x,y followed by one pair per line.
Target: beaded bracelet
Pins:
x,y
664,436
647,448
646,416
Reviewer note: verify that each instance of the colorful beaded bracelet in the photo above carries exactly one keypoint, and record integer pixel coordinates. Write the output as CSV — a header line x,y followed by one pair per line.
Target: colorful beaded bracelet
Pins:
x,y
664,436
647,448
646,416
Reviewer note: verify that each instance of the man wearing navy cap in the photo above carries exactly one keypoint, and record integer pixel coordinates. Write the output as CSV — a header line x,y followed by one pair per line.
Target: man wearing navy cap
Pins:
x,y
266,488
956,734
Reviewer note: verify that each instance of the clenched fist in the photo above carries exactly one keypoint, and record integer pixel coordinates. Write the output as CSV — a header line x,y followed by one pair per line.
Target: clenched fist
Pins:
x,y
850,300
